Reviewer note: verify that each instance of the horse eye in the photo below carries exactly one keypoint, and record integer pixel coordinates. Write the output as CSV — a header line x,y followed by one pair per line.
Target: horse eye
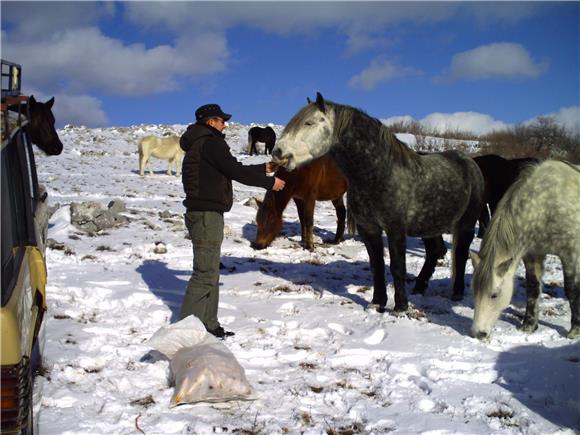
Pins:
x,y
309,123
493,296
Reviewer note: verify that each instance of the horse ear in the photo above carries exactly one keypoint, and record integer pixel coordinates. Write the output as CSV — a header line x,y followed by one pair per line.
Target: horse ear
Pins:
x,y
503,267
475,259
32,100
320,102
259,202
50,102
308,100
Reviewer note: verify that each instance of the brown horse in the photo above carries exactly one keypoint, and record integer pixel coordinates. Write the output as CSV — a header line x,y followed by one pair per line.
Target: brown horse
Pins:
x,y
320,180
41,127
498,174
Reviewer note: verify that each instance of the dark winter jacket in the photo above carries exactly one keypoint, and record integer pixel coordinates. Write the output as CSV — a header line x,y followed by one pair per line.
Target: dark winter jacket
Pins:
x,y
209,168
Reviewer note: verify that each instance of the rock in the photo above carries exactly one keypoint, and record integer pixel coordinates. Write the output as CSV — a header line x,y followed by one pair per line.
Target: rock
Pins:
x,y
117,206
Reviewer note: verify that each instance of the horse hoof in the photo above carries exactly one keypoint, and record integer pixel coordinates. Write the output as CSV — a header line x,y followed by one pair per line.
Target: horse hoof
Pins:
x,y
574,333
528,327
457,297
401,308
379,308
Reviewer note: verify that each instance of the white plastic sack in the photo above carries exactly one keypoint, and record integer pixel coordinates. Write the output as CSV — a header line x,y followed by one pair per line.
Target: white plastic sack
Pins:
x,y
204,369
187,332
208,373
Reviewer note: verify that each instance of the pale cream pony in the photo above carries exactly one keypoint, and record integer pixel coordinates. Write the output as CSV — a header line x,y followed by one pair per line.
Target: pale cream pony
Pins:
x,y
165,148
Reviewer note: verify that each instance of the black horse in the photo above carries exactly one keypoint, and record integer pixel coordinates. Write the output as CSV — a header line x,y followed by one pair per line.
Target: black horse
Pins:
x,y
391,188
265,135
41,124
498,174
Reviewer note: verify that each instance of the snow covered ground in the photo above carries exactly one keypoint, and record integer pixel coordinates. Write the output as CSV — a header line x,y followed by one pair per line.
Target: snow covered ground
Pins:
x,y
318,359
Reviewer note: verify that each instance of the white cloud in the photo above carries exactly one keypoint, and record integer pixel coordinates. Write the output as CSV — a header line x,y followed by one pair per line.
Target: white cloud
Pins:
x,y
566,117
33,20
85,59
79,110
74,109
506,13
359,42
380,71
405,119
480,124
499,60
287,17
472,122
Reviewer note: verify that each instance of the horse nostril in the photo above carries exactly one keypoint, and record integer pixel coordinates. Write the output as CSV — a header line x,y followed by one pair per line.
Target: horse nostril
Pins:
x,y
277,153
481,335
257,246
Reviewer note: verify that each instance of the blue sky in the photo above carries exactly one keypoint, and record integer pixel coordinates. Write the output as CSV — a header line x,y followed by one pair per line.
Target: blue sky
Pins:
x,y
467,65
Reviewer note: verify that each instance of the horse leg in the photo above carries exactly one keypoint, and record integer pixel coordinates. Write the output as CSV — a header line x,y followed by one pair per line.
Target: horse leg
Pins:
x,y
142,163
340,219
572,289
373,240
169,166
306,216
483,221
434,250
534,270
397,252
148,163
177,166
462,239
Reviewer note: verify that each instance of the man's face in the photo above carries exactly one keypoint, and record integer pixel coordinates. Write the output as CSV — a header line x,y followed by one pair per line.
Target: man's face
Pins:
x,y
218,123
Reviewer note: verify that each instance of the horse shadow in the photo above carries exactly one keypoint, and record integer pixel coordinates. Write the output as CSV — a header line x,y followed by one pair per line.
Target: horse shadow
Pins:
x,y
320,277
544,380
289,230
165,283
340,278
155,172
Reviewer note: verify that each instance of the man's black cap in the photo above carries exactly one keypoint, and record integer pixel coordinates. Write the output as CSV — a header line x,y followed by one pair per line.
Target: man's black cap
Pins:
x,y
211,111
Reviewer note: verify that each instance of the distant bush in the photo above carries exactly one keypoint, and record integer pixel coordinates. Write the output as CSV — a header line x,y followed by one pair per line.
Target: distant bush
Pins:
x,y
543,139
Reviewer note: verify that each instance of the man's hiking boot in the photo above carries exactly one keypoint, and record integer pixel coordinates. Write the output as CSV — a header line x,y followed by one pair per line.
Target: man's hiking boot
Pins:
x,y
221,333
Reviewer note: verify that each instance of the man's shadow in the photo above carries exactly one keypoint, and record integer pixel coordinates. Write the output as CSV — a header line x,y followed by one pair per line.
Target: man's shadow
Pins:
x,y
165,283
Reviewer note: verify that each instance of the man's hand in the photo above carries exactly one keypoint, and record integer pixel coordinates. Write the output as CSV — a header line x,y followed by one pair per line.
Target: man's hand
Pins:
x,y
278,184
271,167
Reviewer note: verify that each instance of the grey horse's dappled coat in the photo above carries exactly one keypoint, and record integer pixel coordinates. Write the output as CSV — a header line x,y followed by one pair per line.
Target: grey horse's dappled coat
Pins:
x,y
391,189
538,215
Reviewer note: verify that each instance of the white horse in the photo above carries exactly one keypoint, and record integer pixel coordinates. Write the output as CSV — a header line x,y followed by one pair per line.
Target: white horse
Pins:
x,y
165,148
538,215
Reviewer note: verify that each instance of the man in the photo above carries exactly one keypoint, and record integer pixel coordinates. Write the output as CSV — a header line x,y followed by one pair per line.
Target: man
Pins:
x,y
207,173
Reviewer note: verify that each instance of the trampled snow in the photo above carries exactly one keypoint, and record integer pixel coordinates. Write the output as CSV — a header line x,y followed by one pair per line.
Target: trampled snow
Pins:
x,y
319,360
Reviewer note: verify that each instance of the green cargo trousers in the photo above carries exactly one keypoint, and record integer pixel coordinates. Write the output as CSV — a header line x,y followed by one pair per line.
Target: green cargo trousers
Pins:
x,y
206,229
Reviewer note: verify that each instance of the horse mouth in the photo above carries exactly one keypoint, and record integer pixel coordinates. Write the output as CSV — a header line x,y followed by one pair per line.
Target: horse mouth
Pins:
x,y
283,162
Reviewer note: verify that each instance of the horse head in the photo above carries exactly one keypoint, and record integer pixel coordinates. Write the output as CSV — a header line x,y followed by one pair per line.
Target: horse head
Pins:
x,y
493,287
268,220
308,135
42,131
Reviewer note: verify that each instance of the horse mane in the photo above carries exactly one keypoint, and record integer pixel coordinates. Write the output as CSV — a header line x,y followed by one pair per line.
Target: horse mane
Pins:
x,y
501,235
397,150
